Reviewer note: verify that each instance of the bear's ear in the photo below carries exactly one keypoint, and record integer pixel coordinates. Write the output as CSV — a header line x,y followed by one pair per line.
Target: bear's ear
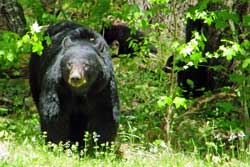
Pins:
x,y
67,42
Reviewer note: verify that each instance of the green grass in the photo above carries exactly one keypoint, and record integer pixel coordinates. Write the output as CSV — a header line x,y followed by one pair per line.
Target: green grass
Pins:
x,y
140,137
22,146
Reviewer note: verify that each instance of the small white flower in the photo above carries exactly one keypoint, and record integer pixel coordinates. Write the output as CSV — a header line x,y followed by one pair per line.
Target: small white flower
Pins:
x,y
241,135
35,27
232,137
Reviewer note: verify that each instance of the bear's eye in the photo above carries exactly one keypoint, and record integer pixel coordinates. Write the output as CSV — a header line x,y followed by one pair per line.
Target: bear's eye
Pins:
x,y
68,65
86,67
92,39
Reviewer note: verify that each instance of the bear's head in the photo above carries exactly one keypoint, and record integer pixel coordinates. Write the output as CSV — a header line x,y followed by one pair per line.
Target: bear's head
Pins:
x,y
80,63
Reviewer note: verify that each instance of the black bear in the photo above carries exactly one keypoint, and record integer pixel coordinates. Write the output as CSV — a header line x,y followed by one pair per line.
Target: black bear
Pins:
x,y
120,35
204,77
194,81
73,85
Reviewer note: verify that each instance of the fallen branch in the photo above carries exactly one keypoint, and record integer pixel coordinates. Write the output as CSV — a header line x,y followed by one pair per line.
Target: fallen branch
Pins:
x,y
4,100
206,99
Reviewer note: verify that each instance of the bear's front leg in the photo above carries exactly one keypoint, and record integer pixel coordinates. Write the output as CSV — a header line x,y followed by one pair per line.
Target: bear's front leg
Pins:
x,y
53,121
105,113
105,127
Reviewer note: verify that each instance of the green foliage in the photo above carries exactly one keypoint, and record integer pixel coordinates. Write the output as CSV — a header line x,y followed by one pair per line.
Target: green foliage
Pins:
x,y
22,143
8,52
14,47
208,128
168,101
100,9
140,83
150,103
33,40
191,53
14,97
208,17
222,18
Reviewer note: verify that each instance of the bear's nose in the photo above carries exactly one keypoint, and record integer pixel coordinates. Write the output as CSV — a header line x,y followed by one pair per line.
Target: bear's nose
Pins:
x,y
75,79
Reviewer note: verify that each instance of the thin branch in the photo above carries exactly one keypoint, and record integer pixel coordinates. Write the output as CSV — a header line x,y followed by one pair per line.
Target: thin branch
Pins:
x,y
203,100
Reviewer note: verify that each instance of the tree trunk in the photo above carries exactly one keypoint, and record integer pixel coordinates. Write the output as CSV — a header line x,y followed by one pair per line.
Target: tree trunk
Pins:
x,y
12,16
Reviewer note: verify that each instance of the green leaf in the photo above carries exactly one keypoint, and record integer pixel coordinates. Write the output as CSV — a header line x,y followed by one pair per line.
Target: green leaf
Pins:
x,y
10,56
48,40
164,100
239,79
2,52
196,58
246,63
144,24
26,38
227,106
19,44
3,111
100,8
223,16
38,48
34,38
246,21
186,51
180,102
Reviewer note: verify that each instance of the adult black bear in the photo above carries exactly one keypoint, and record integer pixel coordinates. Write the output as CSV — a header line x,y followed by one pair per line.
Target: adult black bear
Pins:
x,y
73,85
204,77
121,35
194,81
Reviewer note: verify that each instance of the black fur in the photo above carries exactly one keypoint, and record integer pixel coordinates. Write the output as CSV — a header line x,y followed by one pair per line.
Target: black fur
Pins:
x,y
67,112
122,34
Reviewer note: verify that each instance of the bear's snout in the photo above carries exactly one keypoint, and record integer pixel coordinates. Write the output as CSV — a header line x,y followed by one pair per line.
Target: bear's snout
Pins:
x,y
76,78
